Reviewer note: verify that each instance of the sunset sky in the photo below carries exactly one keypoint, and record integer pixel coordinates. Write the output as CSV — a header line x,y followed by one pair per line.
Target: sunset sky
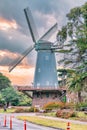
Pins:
x,y
15,36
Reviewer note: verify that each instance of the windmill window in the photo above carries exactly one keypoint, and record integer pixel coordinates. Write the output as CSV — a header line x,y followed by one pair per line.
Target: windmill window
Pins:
x,y
55,85
47,57
47,82
54,70
47,94
38,95
39,70
38,85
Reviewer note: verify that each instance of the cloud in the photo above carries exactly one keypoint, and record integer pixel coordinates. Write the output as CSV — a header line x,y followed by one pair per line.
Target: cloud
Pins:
x,y
6,58
14,32
19,76
5,24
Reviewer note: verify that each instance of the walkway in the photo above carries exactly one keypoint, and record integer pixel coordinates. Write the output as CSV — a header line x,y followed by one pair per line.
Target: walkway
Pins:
x,y
19,125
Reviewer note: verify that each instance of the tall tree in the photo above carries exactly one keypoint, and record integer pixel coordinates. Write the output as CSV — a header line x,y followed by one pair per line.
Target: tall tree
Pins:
x,y
75,31
4,82
74,52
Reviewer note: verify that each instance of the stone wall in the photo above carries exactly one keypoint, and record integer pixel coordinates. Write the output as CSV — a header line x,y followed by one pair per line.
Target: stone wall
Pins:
x,y
40,99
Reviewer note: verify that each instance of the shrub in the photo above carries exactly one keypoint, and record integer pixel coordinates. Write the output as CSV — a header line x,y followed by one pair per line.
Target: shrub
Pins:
x,y
31,109
69,106
78,106
65,114
36,110
19,110
53,105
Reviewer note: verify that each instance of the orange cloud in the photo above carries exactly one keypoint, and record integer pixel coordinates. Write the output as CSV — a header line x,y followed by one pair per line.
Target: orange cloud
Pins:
x,y
23,74
12,56
7,24
19,76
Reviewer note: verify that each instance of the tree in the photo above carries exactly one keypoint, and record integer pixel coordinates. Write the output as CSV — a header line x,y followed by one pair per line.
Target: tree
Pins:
x,y
75,51
10,96
75,82
74,39
4,82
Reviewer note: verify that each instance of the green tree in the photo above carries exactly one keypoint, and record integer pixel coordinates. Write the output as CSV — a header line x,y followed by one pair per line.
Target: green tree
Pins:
x,y
76,32
24,99
2,100
4,82
74,38
10,96
75,82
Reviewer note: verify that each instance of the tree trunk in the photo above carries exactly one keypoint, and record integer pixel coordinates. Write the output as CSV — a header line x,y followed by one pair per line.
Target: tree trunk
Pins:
x,y
79,97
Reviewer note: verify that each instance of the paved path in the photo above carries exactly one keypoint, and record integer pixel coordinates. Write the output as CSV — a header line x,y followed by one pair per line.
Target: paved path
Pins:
x,y
19,125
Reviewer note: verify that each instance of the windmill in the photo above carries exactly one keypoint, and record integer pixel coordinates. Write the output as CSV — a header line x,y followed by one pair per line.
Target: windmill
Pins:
x,y
45,71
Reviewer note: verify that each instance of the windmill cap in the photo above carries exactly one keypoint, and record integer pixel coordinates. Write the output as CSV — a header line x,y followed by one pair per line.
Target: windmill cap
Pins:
x,y
43,45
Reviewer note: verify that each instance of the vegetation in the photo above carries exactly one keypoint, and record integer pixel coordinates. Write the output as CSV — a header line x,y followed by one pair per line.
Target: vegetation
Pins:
x,y
13,97
75,51
8,95
65,114
53,105
4,82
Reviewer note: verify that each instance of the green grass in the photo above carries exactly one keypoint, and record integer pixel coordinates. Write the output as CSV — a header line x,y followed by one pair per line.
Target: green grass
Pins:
x,y
53,114
9,110
80,115
52,123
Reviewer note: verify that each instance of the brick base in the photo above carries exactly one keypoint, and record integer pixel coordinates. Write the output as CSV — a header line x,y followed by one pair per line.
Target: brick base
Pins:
x,y
42,98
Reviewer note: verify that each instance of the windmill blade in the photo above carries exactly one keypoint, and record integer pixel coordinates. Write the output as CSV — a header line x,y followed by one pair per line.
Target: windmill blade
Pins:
x,y
49,33
19,59
31,25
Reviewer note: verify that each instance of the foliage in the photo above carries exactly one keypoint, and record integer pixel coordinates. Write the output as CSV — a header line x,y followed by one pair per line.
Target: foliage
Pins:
x,y
2,101
9,110
65,113
10,95
31,109
53,105
4,82
75,82
21,110
78,106
24,100
75,31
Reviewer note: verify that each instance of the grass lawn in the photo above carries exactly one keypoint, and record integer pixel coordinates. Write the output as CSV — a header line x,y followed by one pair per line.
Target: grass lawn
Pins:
x,y
80,115
52,123
9,110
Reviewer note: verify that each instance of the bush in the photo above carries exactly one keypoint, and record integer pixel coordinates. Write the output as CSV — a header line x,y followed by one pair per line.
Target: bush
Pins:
x,y
53,105
69,106
79,106
36,110
31,109
65,114
19,110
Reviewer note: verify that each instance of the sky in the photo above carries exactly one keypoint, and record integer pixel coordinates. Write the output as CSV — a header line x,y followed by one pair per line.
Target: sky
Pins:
x,y
15,37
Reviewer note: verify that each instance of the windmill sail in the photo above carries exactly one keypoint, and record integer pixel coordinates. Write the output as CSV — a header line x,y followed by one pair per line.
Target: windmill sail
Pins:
x,y
31,25
35,37
18,60
49,33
